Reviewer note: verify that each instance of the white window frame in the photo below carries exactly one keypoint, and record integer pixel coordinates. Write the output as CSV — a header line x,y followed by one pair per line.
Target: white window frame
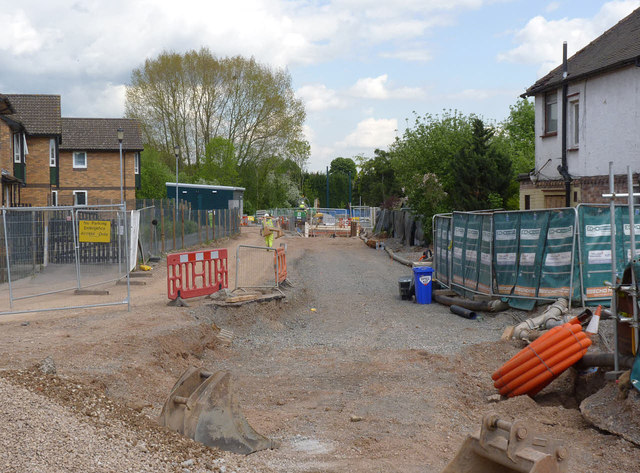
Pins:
x,y
53,161
86,158
136,162
54,198
574,123
75,198
17,148
550,106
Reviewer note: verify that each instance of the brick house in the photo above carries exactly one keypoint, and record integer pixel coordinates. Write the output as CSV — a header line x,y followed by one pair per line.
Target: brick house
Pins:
x,y
602,121
47,159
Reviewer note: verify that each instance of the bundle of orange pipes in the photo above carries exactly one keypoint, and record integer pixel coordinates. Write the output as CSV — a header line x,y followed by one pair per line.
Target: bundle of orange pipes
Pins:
x,y
535,366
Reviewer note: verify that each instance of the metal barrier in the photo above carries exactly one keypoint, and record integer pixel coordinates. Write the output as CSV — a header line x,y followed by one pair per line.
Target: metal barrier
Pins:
x,y
50,250
196,273
260,267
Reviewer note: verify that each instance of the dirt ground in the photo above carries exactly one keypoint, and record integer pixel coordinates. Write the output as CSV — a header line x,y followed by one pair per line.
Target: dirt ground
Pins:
x,y
342,373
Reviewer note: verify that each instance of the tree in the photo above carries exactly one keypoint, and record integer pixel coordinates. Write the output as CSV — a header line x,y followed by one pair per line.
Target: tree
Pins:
x,y
428,149
189,99
344,166
220,165
518,134
376,180
154,173
481,172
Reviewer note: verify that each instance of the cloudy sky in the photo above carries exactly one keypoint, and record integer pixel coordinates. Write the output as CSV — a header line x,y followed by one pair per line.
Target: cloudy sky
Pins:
x,y
362,67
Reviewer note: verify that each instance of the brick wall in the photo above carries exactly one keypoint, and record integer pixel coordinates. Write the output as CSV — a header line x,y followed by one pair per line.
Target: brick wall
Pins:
x,y
588,190
36,191
6,156
101,178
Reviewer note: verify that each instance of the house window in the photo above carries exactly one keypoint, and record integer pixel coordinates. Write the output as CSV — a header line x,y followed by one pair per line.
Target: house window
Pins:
x,y
79,160
551,112
136,162
17,147
574,124
79,197
54,198
527,202
52,153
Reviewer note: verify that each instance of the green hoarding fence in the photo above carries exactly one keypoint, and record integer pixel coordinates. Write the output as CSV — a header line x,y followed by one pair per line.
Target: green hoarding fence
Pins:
x,y
526,256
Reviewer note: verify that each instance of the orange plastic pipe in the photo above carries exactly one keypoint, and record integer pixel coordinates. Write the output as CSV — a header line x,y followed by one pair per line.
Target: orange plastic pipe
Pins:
x,y
550,338
533,361
534,383
521,356
541,349
540,367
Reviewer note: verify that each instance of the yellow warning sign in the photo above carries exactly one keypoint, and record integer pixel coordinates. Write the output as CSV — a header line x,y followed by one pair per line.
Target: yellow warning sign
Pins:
x,y
94,231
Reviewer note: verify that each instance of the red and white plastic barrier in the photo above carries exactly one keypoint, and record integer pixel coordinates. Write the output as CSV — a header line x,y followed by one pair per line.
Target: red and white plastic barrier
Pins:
x,y
196,273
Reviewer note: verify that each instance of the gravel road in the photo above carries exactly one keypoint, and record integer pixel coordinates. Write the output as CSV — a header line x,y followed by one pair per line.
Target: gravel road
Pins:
x,y
343,374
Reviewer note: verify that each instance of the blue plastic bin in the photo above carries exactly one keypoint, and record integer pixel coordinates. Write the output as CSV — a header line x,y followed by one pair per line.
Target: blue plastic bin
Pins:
x,y
423,279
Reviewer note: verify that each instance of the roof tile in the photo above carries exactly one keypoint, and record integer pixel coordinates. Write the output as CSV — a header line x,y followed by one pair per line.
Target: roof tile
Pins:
x,y
40,114
100,134
615,48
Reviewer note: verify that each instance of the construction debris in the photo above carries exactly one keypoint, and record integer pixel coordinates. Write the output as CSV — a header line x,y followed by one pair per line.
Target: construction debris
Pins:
x,y
615,409
202,406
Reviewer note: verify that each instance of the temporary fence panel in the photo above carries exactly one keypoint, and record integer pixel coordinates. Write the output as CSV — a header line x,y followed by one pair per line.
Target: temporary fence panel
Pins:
x,y
485,270
442,247
625,240
505,257
196,273
472,251
256,267
559,262
532,230
595,251
149,237
47,251
101,246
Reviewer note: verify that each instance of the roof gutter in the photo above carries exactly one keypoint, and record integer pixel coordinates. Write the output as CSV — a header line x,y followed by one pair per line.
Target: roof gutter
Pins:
x,y
634,61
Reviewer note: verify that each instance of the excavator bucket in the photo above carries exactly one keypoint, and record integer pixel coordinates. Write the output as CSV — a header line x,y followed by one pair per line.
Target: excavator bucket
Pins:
x,y
202,406
505,447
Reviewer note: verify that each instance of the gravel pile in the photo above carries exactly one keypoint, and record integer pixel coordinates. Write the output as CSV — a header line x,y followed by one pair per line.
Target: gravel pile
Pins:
x,y
51,424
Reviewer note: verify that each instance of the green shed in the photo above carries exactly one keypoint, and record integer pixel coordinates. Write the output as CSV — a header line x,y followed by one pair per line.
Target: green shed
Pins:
x,y
205,197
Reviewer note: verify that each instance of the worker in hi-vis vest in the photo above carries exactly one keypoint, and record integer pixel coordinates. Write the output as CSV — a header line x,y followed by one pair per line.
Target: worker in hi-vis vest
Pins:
x,y
267,225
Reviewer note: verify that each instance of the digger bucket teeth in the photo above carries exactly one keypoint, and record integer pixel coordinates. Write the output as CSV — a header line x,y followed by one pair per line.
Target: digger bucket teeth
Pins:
x,y
505,447
203,408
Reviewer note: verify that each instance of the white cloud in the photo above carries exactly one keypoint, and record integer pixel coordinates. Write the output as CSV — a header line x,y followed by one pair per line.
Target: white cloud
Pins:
x,y
376,88
540,41
318,97
552,6
19,35
483,94
372,133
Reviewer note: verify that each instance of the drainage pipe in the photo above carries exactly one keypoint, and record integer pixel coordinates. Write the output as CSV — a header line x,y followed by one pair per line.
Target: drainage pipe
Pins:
x,y
462,312
495,305
554,315
605,360
397,258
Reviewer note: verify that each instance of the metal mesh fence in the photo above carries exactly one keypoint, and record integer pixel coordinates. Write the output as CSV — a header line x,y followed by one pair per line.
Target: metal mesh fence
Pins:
x,y
256,267
50,250
183,227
